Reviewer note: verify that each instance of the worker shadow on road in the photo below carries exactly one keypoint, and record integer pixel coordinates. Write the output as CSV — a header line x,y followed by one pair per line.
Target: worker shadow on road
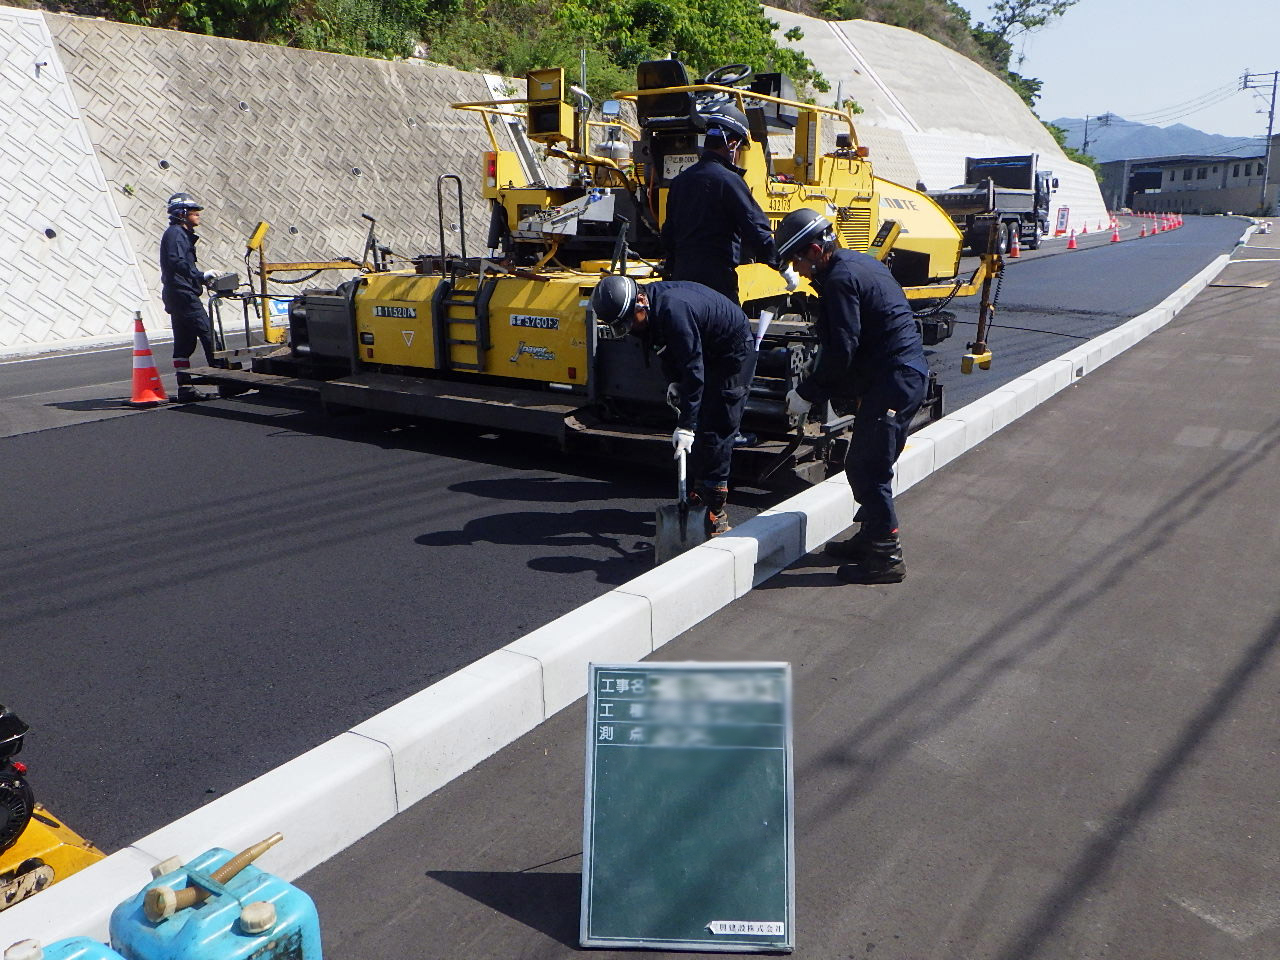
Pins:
x,y
547,902
613,543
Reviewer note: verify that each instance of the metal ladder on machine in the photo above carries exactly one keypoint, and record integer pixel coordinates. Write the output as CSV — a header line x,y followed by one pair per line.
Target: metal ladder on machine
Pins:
x,y
449,329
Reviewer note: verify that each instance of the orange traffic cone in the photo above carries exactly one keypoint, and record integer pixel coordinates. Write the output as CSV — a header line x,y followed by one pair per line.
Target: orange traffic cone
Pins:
x,y
1115,232
1015,249
1084,229
1071,241
148,391
1144,231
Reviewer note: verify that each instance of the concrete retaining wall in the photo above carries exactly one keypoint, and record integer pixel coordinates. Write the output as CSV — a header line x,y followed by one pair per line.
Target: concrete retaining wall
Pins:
x,y
122,116
941,104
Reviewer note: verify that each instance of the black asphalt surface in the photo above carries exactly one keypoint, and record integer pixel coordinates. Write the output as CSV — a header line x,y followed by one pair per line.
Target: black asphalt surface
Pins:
x,y
1054,299
195,595
1056,740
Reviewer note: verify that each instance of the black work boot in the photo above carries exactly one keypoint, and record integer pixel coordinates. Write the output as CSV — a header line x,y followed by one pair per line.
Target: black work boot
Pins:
x,y
189,394
881,563
717,517
851,549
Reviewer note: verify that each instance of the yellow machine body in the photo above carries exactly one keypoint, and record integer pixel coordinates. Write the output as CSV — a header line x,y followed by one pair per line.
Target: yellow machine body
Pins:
x,y
524,329
48,851
839,183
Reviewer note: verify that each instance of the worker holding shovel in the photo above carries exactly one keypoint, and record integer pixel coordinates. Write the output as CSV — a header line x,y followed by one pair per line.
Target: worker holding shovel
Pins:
x,y
705,344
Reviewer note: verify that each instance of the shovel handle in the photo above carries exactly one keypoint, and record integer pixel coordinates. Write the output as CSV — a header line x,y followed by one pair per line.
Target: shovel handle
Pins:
x,y
681,476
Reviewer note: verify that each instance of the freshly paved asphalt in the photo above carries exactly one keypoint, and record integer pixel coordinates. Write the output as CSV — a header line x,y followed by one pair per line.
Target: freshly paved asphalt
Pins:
x,y
195,595
1054,741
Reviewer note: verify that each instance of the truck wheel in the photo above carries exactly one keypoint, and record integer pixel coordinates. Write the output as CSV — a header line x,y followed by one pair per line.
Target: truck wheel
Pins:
x,y
1002,239
1034,242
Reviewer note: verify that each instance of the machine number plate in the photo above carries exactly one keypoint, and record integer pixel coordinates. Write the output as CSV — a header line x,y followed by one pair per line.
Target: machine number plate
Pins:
x,y
674,163
401,313
538,323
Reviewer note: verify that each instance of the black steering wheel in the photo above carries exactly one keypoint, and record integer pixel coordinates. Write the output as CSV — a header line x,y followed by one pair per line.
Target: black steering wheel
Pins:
x,y
728,75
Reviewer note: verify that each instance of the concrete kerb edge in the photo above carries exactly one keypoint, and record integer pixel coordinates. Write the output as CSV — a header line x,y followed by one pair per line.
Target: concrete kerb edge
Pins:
x,y
394,767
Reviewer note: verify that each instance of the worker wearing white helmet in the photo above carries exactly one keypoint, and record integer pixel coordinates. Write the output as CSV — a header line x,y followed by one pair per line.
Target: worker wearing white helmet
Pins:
x,y
872,356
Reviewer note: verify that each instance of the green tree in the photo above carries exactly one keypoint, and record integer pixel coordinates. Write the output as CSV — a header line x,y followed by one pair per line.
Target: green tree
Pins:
x,y
703,33
1012,18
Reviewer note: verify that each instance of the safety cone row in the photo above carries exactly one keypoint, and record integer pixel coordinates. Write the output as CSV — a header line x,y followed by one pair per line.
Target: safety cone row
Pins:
x,y
1071,242
148,391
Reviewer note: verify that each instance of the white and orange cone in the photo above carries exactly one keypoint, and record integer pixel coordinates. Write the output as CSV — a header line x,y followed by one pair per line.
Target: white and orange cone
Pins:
x,y
148,390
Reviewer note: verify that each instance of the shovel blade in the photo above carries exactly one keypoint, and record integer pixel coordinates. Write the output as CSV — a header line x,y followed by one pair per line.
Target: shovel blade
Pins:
x,y
678,529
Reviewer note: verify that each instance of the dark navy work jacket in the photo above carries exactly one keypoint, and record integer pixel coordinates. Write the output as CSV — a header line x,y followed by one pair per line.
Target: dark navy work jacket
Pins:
x,y
700,335
864,325
710,216
181,280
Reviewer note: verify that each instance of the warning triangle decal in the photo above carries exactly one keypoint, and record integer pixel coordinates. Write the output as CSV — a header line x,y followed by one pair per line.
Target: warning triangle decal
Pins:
x,y
408,337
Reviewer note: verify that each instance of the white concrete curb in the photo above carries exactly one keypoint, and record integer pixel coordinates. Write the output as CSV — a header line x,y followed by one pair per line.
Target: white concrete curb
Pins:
x,y
331,796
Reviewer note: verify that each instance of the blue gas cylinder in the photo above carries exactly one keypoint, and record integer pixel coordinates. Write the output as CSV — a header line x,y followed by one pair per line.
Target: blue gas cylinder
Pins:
x,y
73,948
254,914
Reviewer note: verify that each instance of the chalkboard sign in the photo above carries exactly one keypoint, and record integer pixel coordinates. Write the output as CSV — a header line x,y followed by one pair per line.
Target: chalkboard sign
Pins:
x,y
687,827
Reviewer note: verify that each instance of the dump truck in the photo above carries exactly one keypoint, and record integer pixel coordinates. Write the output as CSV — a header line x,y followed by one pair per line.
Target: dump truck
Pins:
x,y
504,339
1010,193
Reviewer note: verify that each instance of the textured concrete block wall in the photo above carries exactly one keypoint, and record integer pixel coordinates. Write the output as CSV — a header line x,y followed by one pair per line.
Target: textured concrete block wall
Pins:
x,y
306,141
69,269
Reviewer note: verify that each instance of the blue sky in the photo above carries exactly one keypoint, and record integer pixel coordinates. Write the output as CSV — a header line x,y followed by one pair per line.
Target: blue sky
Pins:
x,y
1153,60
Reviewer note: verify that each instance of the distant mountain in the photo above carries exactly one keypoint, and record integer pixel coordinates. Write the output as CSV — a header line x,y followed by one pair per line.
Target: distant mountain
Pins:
x,y
1126,140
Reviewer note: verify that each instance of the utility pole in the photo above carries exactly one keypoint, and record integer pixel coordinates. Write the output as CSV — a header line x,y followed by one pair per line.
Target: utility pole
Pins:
x,y
1258,81
1103,121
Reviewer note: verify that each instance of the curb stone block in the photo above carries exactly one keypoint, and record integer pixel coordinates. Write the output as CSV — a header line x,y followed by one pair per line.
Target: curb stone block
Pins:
x,y
914,465
81,905
684,591
614,628
948,440
743,546
452,725
822,511
324,800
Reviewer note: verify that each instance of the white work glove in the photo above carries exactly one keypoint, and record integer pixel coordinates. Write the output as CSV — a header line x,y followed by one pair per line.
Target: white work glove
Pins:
x,y
789,274
797,406
673,396
210,276
682,440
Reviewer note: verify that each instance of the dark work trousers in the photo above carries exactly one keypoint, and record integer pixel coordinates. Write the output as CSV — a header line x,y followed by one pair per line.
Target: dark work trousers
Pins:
x,y
190,323
720,279
876,442
724,397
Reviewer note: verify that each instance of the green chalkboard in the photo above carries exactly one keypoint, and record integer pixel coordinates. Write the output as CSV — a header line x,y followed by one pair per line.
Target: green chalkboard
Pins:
x,y
687,826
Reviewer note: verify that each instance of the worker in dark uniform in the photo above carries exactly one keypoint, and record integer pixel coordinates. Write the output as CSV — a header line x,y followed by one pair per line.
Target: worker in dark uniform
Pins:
x,y
871,353
711,214
705,345
181,287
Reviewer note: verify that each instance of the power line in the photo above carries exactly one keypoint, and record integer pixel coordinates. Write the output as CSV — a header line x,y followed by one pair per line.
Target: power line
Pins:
x,y
1231,87
1167,116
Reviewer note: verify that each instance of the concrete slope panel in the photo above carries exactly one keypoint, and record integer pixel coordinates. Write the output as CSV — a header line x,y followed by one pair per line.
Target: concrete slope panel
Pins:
x,y
306,141
941,104
71,274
